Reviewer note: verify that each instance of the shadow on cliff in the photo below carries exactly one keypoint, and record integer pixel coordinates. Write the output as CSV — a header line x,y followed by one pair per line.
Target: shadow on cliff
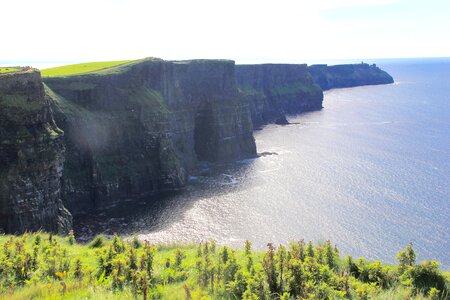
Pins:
x,y
150,214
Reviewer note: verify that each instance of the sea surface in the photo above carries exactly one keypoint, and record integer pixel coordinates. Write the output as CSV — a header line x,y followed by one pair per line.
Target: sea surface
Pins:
x,y
370,172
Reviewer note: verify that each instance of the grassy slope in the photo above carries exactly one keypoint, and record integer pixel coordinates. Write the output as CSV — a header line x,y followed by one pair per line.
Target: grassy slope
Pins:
x,y
47,270
82,68
9,69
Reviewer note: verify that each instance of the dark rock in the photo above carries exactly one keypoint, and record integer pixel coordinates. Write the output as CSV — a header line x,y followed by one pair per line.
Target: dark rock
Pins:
x,y
31,158
276,90
141,131
267,154
281,120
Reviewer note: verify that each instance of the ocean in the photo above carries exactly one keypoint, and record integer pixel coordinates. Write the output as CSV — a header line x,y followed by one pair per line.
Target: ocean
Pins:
x,y
370,172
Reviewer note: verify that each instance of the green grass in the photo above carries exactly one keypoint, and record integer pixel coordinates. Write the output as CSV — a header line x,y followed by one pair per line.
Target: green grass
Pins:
x,y
9,69
43,266
82,68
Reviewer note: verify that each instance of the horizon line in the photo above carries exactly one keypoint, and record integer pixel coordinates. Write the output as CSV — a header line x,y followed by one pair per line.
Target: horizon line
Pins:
x,y
237,61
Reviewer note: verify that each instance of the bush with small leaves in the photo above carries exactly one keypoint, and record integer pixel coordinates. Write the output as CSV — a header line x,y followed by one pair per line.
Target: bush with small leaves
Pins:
x,y
71,238
136,243
434,294
426,276
97,242
224,254
269,267
78,269
179,256
117,244
230,269
406,257
238,286
248,247
147,259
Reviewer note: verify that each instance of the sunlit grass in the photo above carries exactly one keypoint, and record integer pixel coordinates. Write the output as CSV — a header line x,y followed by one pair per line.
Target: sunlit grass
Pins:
x,y
82,68
44,266
9,70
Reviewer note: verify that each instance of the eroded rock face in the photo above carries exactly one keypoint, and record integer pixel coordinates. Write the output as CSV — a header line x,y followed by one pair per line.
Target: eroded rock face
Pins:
x,y
140,131
31,158
350,75
276,90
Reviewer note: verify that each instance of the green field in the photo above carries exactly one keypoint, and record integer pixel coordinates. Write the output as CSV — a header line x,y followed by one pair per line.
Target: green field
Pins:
x,y
82,68
43,266
8,70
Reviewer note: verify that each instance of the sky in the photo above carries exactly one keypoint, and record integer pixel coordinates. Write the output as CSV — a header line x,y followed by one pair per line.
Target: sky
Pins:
x,y
243,30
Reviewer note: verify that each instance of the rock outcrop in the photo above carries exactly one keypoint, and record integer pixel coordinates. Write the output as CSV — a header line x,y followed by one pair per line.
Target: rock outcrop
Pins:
x,y
31,158
350,75
276,90
139,129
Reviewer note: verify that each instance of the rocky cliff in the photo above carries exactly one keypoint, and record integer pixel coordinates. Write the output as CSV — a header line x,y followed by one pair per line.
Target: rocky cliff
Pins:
x,y
139,129
276,90
350,75
31,158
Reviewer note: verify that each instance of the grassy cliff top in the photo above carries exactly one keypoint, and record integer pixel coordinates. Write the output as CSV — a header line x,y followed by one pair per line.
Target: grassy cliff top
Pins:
x,y
9,69
42,266
82,68
109,67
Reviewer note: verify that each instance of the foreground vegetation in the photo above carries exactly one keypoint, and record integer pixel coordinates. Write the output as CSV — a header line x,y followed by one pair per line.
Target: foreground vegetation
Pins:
x,y
81,68
43,266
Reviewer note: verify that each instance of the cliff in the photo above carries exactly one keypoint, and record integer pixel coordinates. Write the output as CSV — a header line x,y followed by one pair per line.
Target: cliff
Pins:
x,y
276,90
139,129
350,75
31,158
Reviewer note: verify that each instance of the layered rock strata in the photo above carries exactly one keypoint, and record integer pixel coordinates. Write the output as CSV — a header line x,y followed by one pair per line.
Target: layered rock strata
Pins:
x,y
31,158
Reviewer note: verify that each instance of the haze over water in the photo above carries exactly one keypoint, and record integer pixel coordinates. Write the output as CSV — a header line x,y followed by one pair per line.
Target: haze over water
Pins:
x,y
370,172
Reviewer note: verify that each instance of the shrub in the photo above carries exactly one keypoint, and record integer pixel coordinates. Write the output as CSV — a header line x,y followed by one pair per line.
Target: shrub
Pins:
x,y
71,238
406,257
136,243
97,242
424,277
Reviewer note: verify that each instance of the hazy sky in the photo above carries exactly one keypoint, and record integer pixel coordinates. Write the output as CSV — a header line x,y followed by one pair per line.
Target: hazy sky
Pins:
x,y
246,31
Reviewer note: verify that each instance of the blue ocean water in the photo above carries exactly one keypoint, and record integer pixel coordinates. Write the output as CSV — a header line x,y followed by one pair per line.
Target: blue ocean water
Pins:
x,y
370,172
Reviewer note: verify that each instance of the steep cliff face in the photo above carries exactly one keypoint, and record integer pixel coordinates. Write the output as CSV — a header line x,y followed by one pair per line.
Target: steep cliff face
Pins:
x,y
140,129
31,158
340,76
275,90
